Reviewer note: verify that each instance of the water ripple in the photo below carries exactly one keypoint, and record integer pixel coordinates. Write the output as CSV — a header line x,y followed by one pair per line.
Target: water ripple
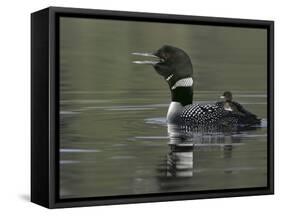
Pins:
x,y
66,150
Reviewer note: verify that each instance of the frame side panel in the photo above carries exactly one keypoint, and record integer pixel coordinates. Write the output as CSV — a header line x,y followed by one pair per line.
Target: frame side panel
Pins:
x,y
271,106
40,107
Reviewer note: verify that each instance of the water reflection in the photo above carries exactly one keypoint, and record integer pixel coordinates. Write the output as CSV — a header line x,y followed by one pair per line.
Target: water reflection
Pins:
x,y
184,141
180,161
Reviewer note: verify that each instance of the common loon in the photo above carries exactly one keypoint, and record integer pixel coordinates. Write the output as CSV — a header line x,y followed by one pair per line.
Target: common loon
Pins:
x,y
175,66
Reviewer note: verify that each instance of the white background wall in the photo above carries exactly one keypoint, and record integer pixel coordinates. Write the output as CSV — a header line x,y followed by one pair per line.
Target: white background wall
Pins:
x,y
15,106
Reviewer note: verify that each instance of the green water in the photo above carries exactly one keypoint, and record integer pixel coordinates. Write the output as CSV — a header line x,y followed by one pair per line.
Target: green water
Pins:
x,y
114,138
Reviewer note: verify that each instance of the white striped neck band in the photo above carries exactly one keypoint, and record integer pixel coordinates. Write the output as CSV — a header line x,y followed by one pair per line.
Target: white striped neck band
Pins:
x,y
186,82
169,77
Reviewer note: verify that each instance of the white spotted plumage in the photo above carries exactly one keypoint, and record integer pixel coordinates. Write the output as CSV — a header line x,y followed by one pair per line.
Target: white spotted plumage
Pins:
x,y
202,113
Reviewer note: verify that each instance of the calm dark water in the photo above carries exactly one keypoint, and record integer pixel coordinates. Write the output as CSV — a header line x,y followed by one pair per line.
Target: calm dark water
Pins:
x,y
114,139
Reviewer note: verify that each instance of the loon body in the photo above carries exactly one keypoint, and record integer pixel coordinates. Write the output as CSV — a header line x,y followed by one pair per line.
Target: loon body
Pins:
x,y
175,66
195,114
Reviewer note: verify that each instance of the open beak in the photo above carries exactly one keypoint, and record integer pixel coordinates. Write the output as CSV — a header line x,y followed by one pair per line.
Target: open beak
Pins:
x,y
155,61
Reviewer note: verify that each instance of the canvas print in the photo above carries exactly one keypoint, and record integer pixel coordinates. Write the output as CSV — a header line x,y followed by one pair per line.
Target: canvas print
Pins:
x,y
151,107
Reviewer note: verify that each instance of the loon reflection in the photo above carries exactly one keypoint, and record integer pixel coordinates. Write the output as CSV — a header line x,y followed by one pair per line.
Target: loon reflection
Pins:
x,y
187,145
180,157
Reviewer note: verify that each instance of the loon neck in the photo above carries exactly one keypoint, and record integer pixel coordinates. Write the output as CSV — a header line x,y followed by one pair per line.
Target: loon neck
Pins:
x,y
181,90
183,95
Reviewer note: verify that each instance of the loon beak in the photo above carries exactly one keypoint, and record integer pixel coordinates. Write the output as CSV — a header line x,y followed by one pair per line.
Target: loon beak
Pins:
x,y
149,62
222,97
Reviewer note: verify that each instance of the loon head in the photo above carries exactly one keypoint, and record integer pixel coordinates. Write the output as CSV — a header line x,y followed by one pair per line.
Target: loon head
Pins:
x,y
227,96
170,62
175,66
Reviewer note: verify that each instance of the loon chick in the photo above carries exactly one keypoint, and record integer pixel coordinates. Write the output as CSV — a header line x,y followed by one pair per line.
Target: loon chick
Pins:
x,y
242,115
228,105
175,66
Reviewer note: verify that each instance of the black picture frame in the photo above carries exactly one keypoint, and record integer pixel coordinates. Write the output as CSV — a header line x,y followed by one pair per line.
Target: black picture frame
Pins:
x,y
45,106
